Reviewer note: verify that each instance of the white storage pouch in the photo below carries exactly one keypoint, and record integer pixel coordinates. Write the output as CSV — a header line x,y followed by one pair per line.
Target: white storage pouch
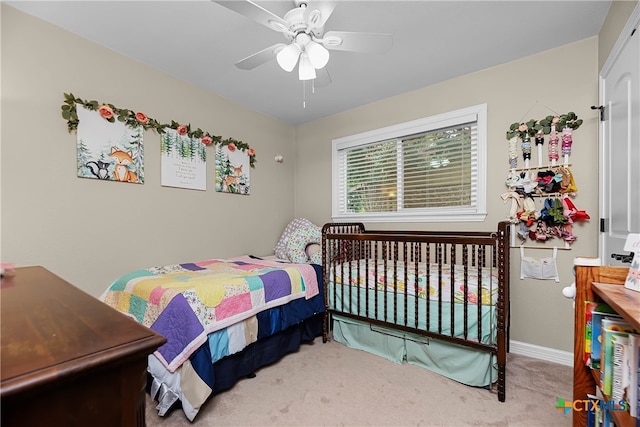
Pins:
x,y
539,268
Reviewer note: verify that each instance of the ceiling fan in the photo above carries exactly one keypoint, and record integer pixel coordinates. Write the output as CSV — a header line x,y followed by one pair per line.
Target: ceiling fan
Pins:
x,y
307,43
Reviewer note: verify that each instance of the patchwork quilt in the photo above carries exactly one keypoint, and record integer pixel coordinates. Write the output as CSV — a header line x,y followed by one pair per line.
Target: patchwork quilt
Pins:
x,y
186,302
482,285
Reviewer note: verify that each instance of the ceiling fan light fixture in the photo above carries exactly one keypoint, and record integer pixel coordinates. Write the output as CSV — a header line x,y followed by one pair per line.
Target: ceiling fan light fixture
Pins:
x,y
308,44
305,68
318,55
288,57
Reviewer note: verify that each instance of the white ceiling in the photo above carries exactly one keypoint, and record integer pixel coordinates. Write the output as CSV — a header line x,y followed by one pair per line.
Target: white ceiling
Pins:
x,y
200,41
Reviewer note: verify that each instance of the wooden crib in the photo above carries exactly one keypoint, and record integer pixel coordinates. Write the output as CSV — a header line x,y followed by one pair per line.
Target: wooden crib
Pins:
x,y
451,287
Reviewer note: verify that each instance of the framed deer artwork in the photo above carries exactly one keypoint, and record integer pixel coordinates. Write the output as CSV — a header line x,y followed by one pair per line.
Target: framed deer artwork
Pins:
x,y
232,170
108,151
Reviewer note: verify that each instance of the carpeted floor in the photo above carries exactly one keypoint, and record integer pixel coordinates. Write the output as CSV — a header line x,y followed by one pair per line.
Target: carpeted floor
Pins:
x,y
333,385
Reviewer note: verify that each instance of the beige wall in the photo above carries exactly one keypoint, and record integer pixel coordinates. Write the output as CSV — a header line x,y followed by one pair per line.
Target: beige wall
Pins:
x,y
519,90
563,79
619,13
88,231
91,232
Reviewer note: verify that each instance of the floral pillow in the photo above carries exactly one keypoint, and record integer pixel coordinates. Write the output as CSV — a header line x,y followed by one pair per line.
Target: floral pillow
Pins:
x,y
281,247
300,240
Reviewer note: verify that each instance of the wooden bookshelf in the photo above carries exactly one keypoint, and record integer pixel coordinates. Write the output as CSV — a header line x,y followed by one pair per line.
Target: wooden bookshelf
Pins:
x,y
624,301
604,283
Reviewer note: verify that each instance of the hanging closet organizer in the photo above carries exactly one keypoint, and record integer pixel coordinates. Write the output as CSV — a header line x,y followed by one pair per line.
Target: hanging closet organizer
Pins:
x,y
540,191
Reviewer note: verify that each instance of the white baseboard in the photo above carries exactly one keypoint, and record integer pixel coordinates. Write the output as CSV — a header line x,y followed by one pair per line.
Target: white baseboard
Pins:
x,y
539,352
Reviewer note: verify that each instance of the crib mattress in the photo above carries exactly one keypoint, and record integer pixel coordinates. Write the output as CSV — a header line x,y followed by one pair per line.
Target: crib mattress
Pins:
x,y
446,318
446,281
465,365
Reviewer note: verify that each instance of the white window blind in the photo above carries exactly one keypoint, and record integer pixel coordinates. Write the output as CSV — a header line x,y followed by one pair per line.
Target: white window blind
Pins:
x,y
430,169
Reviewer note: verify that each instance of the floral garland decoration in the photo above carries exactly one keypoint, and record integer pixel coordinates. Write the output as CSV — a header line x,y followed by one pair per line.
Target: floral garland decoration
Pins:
x,y
134,119
533,127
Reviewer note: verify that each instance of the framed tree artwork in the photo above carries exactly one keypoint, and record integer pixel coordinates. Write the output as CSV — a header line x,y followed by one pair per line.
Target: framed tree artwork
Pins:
x,y
183,160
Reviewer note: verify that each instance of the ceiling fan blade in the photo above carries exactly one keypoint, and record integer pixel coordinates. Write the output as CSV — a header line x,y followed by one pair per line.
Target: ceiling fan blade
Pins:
x,y
319,12
357,42
259,58
257,13
323,78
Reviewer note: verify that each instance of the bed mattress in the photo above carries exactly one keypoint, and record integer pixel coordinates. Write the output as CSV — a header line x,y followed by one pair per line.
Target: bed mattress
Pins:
x,y
235,352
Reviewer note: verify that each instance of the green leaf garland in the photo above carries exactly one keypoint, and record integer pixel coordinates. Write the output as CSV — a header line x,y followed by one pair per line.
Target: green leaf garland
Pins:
x,y
533,127
135,119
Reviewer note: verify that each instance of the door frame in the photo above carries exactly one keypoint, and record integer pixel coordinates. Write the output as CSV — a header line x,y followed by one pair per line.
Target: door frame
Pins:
x,y
632,22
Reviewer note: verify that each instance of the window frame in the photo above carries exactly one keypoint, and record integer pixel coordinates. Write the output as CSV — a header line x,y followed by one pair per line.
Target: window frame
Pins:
x,y
477,212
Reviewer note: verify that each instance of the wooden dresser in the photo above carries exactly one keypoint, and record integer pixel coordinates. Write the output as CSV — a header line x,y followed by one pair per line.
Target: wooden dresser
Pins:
x,y
67,359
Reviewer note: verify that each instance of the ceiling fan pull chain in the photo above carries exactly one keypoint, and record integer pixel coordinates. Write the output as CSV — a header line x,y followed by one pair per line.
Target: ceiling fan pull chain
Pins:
x,y
304,95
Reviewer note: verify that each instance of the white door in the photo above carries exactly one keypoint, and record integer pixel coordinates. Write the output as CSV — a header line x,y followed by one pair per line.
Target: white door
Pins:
x,y
620,145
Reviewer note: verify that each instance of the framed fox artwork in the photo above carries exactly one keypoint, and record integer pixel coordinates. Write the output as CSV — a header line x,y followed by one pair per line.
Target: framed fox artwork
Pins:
x,y
108,151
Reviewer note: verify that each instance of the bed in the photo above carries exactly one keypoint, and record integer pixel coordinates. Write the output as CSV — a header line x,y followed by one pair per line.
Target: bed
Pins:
x,y
223,319
435,299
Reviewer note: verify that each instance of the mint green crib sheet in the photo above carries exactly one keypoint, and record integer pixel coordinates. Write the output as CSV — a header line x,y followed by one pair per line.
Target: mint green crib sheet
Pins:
x,y
463,364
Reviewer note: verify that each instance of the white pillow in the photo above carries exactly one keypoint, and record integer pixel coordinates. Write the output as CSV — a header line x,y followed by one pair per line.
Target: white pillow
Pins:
x,y
281,247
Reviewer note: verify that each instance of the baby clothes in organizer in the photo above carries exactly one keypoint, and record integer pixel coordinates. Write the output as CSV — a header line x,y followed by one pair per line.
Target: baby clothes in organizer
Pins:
x,y
539,268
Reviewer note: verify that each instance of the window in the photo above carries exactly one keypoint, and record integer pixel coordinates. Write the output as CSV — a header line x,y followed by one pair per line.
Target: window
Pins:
x,y
431,169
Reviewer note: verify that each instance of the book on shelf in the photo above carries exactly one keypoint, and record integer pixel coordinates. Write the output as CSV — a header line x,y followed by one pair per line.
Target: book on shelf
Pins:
x,y
620,376
590,307
593,411
606,417
633,392
601,312
612,330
